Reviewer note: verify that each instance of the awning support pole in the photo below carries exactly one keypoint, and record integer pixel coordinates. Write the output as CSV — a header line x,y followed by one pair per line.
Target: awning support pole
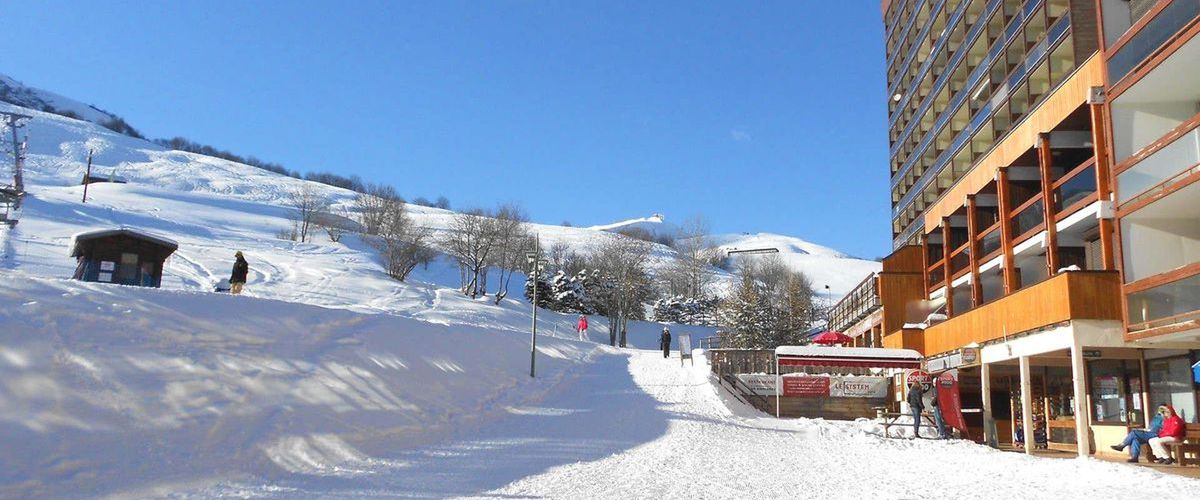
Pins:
x,y
1027,406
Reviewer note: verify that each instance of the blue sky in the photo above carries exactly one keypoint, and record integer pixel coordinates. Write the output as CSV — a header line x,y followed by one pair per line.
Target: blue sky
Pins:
x,y
762,116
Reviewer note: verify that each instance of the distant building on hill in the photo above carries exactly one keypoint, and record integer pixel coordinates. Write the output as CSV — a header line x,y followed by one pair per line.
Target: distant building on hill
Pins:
x,y
123,256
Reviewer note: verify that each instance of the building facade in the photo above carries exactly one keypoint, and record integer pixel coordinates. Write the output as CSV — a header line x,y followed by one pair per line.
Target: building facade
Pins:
x,y
1044,164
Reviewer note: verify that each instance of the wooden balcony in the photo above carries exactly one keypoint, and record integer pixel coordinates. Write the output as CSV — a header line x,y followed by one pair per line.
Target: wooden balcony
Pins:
x,y
1066,296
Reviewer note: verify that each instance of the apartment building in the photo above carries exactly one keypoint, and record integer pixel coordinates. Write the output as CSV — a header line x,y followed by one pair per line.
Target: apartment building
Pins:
x,y
1044,159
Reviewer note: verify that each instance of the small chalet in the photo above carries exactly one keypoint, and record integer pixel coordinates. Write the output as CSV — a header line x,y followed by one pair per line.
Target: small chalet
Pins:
x,y
124,256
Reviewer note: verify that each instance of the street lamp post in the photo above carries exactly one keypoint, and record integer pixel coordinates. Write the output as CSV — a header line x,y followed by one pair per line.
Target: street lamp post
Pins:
x,y
536,262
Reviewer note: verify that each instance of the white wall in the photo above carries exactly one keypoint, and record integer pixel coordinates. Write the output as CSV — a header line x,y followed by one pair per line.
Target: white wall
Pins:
x,y
1137,124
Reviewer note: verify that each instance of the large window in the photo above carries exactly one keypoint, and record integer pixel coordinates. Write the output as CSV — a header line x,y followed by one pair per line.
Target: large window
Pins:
x,y
1171,382
1112,382
1165,304
1162,236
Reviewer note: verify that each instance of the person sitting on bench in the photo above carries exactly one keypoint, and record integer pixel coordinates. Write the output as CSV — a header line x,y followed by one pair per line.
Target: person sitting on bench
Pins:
x,y
1137,437
1173,431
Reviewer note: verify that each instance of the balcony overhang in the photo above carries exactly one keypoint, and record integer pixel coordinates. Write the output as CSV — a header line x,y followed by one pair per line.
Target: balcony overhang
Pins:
x,y
1063,298
1052,111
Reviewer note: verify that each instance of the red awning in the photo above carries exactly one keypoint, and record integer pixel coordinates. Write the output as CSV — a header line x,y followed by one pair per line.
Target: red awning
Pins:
x,y
853,362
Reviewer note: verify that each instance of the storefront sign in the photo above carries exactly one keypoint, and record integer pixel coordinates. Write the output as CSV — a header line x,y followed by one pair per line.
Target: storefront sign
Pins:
x,y
858,387
970,355
918,376
806,386
1092,353
760,384
849,386
950,401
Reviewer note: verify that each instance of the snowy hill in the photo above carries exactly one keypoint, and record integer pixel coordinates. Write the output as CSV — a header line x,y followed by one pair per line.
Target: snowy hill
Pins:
x,y
823,265
15,92
655,225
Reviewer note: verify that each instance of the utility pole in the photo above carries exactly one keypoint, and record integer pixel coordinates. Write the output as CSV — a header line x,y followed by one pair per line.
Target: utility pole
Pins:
x,y
87,178
15,121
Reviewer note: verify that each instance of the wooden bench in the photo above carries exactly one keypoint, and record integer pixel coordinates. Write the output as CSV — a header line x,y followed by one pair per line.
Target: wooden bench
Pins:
x,y
1187,452
890,420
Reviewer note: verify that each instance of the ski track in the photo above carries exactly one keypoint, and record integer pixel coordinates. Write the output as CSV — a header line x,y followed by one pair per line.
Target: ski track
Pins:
x,y
633,425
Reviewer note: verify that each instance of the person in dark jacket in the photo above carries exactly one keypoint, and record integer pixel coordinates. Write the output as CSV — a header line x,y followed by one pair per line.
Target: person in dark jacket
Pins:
x,y
916,404
240,269
937,413
664,341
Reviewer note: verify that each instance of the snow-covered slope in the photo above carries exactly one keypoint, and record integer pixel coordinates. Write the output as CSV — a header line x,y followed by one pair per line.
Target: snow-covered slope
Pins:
x,y
655,224
15,92
823,265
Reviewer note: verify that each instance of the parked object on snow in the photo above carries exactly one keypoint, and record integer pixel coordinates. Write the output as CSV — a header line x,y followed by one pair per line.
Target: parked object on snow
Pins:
x,y
222,286
124,256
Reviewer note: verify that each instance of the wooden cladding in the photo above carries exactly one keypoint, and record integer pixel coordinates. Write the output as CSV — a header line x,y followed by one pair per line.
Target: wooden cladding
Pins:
x,y
905,339
1065,297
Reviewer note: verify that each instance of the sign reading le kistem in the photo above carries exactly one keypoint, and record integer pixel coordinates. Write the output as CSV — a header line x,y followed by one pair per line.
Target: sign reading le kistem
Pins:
x,y
847,386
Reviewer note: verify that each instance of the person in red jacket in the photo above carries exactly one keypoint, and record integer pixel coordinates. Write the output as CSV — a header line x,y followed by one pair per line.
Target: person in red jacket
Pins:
x,y
1173,431
581,328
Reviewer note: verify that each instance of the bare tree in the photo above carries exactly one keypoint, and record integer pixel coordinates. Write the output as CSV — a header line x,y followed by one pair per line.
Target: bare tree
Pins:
x,y
691,272
335,223
512,238
373,204
625,283
309,206
470,241
402,243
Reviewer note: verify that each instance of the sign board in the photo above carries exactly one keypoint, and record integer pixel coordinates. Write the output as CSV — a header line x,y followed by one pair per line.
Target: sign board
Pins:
x,y
685,348
759,383
107,265
858,387
1092,353
105,277
806,386
918,376
970,355
950,401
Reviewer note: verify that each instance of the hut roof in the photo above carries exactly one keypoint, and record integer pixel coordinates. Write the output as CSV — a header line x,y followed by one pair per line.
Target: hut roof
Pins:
x,y
120,231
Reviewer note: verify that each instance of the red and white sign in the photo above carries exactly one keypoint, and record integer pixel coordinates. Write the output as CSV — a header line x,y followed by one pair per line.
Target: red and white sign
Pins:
x,y
950,401
970,355
919,377
806,386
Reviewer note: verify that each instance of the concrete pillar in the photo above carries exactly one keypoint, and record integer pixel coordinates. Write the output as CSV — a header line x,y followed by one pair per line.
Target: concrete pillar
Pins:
x,y
1027,405
989,422
1079,381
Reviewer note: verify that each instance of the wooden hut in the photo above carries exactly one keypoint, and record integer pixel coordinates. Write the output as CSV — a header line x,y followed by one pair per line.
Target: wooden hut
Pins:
x,y
124,256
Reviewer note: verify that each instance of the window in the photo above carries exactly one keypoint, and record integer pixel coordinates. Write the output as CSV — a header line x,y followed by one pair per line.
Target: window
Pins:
x,y
1107,384
127,271
1171,383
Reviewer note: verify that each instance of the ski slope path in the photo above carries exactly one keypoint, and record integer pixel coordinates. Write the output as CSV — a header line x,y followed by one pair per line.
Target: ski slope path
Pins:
x,y
639,426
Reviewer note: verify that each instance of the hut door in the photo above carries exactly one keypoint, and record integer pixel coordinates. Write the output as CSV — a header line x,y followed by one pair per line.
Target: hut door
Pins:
x,y
127,271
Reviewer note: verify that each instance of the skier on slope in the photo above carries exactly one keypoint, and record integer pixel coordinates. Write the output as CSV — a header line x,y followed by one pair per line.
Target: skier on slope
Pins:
x,y
238,278
582,327
664,341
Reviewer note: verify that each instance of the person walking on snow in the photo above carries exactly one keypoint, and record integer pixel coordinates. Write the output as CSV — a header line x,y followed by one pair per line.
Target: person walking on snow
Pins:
x,y
581,328
240,269
916,403
1173,431
664,341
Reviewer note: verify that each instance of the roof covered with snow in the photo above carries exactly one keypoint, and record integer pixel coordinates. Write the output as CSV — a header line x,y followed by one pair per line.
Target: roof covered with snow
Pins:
x,y
120,231
809,351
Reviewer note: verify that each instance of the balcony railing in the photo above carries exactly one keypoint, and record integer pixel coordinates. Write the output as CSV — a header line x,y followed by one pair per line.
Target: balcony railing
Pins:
x,y
1131,52
1064,297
